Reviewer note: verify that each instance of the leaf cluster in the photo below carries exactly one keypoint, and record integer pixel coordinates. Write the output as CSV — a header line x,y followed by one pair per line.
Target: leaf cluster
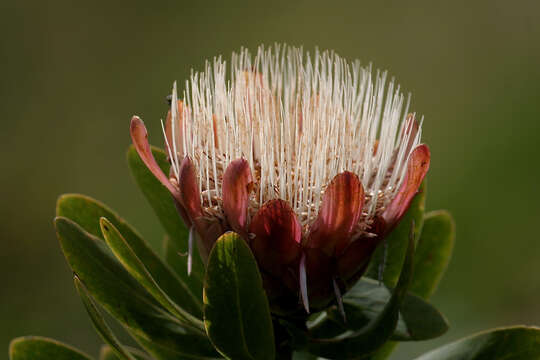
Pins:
x,y
221,310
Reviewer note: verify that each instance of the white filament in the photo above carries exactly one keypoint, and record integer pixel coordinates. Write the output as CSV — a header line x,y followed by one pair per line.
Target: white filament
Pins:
x,y
298,120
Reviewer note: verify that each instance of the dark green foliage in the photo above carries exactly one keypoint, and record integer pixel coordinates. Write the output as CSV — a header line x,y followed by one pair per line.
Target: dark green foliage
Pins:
x,y
173,315
99,323
87,212
236,311
418,319
136,268
112,286
379,330
432,256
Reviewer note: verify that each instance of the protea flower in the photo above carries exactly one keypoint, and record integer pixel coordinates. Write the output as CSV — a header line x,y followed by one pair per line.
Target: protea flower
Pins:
x,y
288,175
311,159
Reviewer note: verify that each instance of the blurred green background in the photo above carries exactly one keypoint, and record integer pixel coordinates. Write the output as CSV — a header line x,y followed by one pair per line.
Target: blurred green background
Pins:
x,y
74,72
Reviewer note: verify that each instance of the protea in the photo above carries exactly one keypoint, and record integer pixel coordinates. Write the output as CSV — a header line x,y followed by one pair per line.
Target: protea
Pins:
x,y
288,177
313,161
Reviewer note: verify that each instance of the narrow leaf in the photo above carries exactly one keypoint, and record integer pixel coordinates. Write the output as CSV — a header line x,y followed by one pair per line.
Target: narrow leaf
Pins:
x,y
36,347
236,312
136,268
123,297
433,252
86,212
513,343
99,323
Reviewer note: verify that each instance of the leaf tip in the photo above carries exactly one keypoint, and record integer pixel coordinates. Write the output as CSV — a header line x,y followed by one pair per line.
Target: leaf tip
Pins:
x,y
77,281
59,221
105,225
13,344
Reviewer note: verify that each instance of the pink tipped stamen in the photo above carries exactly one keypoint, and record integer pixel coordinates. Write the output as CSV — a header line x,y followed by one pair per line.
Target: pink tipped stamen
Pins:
x,y
303,283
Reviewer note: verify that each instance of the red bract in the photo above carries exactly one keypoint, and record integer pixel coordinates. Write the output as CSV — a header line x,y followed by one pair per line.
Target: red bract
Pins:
x,y
331,247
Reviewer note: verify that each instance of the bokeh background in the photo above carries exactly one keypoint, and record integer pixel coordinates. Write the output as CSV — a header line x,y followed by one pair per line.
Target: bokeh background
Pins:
x,y
73,73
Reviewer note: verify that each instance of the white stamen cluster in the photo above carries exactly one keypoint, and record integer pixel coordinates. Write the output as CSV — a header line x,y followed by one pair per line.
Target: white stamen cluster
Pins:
x,y
298,120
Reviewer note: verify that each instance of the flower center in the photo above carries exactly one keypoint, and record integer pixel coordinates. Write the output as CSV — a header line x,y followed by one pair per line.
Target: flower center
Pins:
x,y
298,120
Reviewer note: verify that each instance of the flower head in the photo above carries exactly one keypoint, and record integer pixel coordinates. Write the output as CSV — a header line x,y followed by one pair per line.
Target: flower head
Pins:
x,y
312,159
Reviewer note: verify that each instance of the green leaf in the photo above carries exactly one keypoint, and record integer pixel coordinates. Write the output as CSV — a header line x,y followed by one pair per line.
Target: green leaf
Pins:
x,y
136,268
371,337
397,241
431,259
433,252
161,201
513,343
36,347
236,312
177,260
123,297
99,323
421,321
418,319
107,353
86,212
